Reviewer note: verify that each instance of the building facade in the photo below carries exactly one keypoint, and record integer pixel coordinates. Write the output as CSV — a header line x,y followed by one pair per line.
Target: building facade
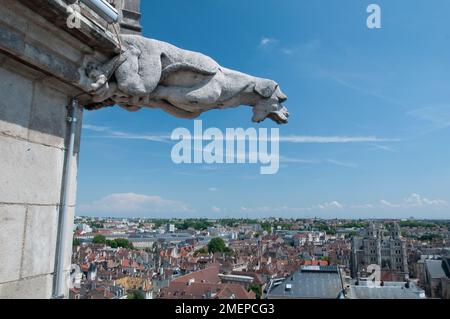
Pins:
x,y
386,248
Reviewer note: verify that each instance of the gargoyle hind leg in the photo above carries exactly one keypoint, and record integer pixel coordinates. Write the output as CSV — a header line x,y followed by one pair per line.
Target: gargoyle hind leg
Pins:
x,y
179,113
139,75
202,95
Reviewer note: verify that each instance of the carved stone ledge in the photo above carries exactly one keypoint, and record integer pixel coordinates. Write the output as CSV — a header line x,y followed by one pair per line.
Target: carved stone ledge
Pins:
x,y
92,32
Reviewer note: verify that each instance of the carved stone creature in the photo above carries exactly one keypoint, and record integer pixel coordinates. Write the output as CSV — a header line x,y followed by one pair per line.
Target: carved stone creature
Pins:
x,y
155,74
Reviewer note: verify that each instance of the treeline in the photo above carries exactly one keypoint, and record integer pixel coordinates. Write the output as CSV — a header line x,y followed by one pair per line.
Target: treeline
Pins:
x,y
354,224
216,245
417,224
197,224
115,243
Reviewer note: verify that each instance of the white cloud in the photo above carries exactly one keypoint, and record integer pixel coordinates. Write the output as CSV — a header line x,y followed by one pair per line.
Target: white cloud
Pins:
x,y
216,209
213,189
288,51
415,201
126,204
265,41
330,205
386,203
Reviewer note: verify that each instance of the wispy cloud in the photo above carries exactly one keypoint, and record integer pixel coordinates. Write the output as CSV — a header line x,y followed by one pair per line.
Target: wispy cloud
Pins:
x,y
384,148
267,41
132,204
436,115
335,139
216,209
301,50
110,133
349,84
327,206
297,139
362,206
285,159
96,128
437,118
340,163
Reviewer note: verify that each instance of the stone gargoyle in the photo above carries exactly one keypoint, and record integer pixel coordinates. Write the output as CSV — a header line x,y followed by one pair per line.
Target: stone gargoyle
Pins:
x,y
155,74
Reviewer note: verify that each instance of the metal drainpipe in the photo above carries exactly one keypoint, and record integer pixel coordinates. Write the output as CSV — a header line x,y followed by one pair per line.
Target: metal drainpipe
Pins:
x,y
59,290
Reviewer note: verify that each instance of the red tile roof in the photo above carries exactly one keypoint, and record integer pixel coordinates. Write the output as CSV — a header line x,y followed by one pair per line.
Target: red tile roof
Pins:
x,y
180,290
207,275
316,263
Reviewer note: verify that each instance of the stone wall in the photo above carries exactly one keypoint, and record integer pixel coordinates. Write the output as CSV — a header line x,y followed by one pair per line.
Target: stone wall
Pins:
x,y
41,68
33,130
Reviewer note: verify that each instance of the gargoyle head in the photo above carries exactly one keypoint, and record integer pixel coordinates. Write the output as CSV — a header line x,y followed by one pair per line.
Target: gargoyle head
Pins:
x,y
269,105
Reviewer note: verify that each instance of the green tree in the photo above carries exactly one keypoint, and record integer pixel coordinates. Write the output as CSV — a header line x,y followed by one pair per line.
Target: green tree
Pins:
x,y
267,227
135,294
99,239
217,245
76,242
430,237
120,243
197,224
256,289
124,243
200,251
413,223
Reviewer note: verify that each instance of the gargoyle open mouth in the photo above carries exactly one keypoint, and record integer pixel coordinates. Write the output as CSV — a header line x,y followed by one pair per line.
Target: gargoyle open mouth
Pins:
x,y
280,117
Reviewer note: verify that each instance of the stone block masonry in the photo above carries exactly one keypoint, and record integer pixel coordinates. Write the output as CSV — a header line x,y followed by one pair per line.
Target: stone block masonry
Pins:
x,y
33,131
42,66
32,148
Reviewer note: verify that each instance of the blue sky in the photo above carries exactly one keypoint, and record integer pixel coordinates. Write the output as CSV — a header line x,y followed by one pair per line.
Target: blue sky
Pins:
x,y
370,115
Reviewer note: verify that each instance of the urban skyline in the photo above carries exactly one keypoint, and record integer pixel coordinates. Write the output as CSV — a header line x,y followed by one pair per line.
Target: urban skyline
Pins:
x,y
259,259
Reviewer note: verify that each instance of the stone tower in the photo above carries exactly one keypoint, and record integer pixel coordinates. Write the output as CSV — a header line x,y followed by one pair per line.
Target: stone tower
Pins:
x,y
376,245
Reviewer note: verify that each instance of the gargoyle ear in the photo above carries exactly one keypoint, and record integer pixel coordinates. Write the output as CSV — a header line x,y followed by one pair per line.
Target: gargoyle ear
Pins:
x,y
266,88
